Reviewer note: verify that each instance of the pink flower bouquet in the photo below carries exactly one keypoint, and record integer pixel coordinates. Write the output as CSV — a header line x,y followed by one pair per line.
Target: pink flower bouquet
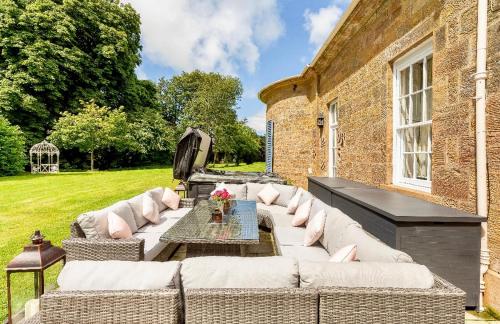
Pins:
x,y
221,195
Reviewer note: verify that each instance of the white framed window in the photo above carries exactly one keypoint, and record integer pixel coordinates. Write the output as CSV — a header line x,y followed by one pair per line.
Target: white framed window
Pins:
x,y
332,142
412,149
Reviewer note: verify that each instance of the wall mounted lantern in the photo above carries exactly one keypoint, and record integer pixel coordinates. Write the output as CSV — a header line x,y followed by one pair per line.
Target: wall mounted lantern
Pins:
x,y
321,120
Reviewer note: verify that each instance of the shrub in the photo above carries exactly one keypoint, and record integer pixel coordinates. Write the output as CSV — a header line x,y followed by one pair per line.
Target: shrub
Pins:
x,y
12,155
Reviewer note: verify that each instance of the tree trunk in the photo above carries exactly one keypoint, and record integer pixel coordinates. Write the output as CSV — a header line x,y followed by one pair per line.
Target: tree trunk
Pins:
x,y
91,160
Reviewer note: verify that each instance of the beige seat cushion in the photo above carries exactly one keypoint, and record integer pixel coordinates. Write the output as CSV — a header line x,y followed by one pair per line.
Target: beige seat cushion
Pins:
x,y
281,220
95,223
118,275
308,253
306,195
157,194
164,225
239,272
318,205
285,194
278,215
124,210
136,205
336,224
292,236
178,213
369,248
253,189
152,244
364,274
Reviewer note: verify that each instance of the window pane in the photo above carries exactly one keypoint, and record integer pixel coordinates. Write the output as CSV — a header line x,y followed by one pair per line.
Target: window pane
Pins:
x,y
404,104
422,135
422,166
408,166
418,75
428,102
417,107
333,113
405,82
408,139
429,71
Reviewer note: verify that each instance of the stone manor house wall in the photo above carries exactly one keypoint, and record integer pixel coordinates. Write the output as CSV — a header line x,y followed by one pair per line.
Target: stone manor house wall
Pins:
x,y
355,69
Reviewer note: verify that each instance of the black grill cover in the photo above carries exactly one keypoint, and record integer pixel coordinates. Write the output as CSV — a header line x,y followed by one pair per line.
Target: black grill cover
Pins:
x,y
192,153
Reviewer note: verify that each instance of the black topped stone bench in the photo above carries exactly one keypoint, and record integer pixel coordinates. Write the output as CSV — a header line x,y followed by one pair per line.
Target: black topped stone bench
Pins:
x,y
446,240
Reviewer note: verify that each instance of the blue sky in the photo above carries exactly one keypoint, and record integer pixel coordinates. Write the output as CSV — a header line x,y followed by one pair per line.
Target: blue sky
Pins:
x,y
259,41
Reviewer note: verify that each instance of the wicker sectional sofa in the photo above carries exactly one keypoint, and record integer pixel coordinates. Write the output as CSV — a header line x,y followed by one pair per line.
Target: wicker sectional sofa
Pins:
x,y
340,230
248,290
314,296
90,241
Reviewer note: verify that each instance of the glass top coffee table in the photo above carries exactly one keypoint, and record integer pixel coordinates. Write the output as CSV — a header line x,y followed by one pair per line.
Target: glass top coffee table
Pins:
x,y
203,237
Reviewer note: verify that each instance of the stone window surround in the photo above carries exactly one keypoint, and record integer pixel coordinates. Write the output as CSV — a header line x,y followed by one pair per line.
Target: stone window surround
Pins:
x,y
422,51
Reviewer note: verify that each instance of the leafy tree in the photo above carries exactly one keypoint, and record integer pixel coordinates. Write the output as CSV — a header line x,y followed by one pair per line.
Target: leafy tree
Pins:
x,y
247,144
12,156
93,128
204,100
151,133
174,94
54,53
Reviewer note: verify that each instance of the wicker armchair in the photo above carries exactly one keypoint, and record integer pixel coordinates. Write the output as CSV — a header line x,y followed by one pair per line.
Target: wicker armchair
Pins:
x,y
78,247
233,305
139,306
443,304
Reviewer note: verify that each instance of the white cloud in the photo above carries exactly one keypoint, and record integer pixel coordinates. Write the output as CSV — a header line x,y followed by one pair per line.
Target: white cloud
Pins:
x,y
319,24
258,122
141,75
250,93
212,35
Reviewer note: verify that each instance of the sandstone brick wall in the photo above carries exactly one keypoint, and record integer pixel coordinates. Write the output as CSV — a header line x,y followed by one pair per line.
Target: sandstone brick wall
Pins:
x,y
356,70
293,133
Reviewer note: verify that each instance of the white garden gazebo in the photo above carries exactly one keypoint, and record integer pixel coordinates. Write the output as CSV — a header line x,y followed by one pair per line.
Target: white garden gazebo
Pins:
x,y
44,158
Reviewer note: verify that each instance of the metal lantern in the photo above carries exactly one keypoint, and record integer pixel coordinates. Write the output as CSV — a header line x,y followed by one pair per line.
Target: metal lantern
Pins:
x,y
36,257
321,120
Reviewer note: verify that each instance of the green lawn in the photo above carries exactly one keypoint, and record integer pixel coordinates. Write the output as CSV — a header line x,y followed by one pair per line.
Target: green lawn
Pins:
x,y
51,202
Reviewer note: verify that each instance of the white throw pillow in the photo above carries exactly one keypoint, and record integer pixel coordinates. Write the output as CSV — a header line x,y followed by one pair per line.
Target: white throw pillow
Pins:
x,y
117,227
294,202
150,209
171,199
302,213
268,194
314,228
345,254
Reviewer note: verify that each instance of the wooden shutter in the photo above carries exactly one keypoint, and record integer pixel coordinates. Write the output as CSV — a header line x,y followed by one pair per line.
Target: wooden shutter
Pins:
x,y
269,145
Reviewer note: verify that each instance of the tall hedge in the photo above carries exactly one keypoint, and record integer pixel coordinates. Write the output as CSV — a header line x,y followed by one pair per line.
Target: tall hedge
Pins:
x,y
12,155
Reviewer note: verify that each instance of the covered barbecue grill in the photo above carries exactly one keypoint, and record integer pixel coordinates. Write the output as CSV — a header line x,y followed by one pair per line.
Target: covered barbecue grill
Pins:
x,y
191,157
